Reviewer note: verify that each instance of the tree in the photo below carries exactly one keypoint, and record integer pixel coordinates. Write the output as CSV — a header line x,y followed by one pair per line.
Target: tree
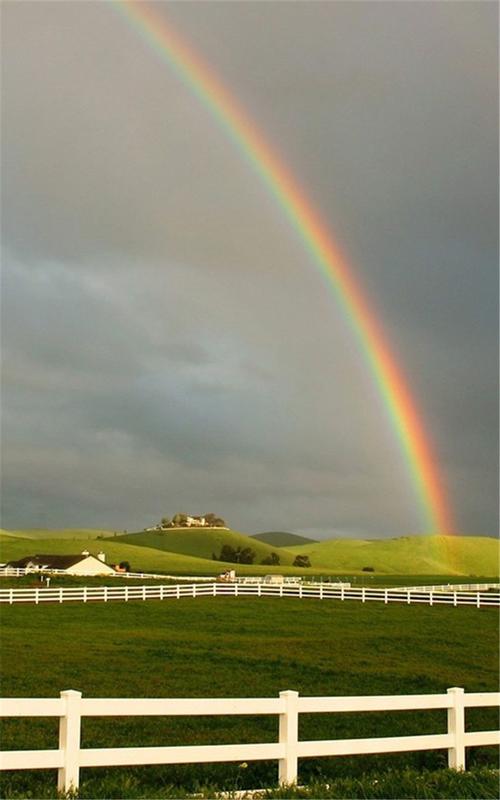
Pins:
x,y
302,561
246,555
273,559
125,565
237,555
165,521
179,520
219,523
228,553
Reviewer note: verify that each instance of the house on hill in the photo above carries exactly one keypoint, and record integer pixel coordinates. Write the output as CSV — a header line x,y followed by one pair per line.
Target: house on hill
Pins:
x,y
81,564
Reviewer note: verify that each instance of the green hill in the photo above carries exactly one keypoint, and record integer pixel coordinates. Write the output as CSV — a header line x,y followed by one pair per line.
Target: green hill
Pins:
x,y
412,555
63,533
282,539
202,542
189,551
140,557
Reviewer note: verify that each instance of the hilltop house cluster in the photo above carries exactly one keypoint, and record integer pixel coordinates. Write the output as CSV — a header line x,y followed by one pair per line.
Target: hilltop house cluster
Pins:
x,y
188,521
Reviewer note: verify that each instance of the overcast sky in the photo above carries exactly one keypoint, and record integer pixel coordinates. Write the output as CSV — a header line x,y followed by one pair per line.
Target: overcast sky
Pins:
x,y
168,344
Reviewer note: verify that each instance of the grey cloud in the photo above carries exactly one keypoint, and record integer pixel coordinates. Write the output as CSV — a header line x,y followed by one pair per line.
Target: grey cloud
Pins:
x,y
167,339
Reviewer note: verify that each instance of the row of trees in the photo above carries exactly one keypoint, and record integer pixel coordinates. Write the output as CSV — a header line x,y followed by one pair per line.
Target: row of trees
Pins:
x,y
245,555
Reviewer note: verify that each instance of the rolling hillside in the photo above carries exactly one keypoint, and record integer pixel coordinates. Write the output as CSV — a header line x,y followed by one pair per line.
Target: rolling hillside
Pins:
x,y
202,542
282,539
141,558
417,555
189,551
63,533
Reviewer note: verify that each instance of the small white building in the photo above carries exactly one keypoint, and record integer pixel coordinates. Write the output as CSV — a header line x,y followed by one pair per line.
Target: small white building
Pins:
x,y
81,564
274,579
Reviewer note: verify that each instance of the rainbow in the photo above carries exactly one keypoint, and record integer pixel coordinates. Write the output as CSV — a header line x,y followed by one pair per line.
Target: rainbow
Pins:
x,y
325,253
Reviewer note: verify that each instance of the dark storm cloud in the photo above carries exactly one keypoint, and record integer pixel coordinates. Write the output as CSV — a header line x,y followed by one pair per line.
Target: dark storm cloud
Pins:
x,y
167,343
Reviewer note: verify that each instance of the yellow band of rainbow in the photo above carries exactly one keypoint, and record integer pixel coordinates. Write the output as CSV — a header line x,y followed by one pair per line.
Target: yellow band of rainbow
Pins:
x,y
391,385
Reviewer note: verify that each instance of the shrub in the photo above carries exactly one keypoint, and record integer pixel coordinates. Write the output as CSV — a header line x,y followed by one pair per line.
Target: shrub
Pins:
x,y
368,569
302,561
272,559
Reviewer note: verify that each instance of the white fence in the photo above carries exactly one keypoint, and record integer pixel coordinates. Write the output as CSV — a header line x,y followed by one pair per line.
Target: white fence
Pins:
x,y
70,707
20,572
322,591
451,587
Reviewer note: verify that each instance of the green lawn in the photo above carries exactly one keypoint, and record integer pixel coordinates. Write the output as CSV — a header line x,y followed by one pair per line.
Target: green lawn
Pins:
x,y
231,647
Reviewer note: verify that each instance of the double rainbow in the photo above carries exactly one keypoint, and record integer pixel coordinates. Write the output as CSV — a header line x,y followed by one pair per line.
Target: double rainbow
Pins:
x,y
387,375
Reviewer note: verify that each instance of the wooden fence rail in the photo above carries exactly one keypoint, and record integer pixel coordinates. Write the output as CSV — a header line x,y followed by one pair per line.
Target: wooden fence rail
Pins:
x,y
71,707
322,591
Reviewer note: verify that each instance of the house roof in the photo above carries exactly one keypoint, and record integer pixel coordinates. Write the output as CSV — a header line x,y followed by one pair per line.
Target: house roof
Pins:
x,y
54,562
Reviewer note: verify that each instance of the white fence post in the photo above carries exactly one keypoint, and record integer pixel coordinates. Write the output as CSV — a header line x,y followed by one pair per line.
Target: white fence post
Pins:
x,y
456,727
289,736
68,776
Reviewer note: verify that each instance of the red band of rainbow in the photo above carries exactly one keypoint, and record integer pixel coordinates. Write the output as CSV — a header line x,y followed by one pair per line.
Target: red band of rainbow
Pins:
x,y
391,385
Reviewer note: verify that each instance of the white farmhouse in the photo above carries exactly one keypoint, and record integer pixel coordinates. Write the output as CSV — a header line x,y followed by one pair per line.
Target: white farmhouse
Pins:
x,y
82,564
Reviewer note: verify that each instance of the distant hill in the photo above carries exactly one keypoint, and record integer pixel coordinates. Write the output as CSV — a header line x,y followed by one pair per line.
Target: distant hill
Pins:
x,y
282,539
63,533
189,552
412,555
202,542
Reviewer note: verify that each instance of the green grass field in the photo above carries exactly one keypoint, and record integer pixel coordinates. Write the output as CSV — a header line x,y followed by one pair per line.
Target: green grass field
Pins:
x,y
242,647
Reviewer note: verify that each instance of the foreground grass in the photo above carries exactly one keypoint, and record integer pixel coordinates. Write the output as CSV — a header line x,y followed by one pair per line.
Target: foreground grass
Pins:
x,y
480,783
247,647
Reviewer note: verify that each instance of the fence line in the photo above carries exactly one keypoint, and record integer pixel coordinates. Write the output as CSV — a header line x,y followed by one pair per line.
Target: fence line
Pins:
x,y
20,572
450,587
322,591
71,707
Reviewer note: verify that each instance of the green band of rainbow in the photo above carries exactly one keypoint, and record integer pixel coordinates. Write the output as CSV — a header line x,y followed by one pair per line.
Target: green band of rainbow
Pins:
x,y
391,385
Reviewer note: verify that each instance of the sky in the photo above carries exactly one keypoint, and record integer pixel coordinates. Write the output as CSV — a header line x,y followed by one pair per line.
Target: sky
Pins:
x,y
168,344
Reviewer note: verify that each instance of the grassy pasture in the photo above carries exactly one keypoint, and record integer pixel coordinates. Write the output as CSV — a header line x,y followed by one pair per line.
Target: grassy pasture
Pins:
x,y
242,647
